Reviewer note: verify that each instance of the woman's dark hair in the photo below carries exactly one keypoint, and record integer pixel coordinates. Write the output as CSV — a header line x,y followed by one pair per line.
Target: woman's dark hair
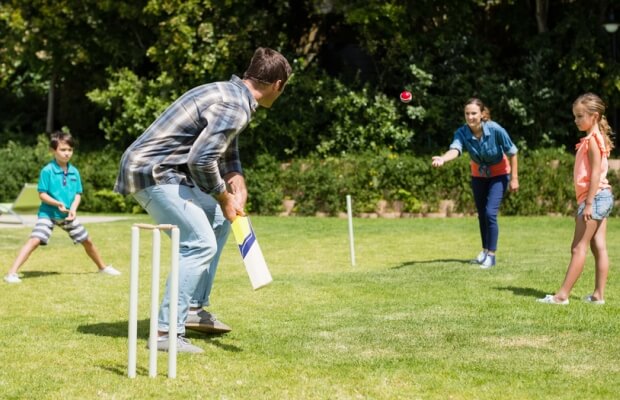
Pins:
x,y
484,110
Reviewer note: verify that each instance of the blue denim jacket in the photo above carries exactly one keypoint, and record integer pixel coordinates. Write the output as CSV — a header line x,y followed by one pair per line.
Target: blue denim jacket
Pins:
x,y
491,147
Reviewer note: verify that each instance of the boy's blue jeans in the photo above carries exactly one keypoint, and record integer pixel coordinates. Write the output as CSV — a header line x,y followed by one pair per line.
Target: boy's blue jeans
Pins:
x,y
488,195
203,233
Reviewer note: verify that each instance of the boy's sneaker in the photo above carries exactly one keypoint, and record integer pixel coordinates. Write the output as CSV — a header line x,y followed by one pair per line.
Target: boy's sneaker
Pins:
x,y
109,270
204,321
488,262
12,278
183,345
479,258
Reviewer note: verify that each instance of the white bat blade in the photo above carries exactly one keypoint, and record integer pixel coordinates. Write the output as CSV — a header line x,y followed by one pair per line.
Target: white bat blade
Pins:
x,y
253,259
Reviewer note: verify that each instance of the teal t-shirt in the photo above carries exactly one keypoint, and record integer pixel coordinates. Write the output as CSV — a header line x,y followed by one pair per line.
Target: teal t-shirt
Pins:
x,y
59,185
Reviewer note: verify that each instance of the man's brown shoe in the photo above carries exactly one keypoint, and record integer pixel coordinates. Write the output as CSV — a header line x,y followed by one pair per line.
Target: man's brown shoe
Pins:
x,y
206,322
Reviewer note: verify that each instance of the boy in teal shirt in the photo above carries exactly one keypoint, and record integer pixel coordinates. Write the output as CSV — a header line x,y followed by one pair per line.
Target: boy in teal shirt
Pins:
x,y
60,189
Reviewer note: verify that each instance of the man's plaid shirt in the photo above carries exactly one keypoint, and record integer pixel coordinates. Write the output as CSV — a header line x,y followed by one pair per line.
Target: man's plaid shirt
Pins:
x,y
194,142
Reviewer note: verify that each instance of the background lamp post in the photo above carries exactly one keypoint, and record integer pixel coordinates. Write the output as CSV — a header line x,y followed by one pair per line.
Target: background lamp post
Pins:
x,y
611,26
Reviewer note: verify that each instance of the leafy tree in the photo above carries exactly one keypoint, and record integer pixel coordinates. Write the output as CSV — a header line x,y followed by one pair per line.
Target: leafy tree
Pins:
x,y
526,59
63,46
195,42
134,103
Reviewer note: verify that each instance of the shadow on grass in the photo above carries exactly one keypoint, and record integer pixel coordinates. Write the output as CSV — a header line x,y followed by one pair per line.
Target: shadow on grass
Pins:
x,y
115,329
120,329
38,274
526,292
439,260
121,369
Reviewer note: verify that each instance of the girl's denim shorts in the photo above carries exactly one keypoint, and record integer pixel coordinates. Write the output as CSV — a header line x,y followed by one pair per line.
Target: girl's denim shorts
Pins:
x,y
601,206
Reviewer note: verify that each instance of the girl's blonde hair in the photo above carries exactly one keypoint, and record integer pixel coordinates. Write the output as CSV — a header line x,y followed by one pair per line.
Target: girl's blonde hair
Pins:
x,y
594,104
484,110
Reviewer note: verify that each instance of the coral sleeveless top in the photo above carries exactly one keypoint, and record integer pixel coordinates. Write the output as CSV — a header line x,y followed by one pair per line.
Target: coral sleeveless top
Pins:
x,y
582,170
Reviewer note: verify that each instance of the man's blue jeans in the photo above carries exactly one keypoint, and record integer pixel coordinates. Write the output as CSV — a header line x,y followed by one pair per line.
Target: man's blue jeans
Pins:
x,y
203,233
488,195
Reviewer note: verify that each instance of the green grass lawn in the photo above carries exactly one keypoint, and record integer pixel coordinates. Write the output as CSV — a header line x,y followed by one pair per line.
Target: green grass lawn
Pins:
x,y
412,320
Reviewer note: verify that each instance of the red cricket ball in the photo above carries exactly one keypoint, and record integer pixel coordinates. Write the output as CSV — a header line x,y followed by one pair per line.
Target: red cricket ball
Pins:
x,y
405,96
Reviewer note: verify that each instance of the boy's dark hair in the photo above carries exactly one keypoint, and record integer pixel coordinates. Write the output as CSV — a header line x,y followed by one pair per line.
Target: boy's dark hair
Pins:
x,y
268,66
59,136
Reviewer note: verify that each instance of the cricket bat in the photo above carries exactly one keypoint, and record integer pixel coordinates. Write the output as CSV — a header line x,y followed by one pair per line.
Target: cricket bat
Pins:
x,y
253,259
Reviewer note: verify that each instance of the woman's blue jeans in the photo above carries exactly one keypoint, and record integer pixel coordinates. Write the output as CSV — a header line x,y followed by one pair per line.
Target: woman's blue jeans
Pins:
x,y
488,195
203,233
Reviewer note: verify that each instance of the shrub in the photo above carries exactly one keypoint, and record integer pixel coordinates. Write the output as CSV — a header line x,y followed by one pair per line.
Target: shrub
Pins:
x,y
316,185
99,171
21,164
264,181
321,184
546,184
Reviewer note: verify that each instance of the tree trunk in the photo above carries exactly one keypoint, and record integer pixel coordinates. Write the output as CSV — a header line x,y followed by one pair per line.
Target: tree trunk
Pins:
x,y
542,9
49,124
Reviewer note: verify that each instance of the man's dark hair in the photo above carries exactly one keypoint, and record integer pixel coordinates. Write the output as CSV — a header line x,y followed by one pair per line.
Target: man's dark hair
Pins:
x,y
268,66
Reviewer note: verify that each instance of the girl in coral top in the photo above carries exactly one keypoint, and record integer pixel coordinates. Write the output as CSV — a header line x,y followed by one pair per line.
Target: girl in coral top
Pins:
x,y
594,198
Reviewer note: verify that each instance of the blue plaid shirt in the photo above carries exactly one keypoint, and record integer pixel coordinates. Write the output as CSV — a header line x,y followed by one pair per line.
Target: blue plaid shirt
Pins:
x,y
194,142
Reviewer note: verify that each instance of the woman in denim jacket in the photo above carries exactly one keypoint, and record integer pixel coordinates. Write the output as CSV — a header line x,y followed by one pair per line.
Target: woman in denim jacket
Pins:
x,y
494,170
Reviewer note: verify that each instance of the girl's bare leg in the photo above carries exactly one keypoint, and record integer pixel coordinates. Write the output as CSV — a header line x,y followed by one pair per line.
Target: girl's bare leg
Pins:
x,y
599,249
584,232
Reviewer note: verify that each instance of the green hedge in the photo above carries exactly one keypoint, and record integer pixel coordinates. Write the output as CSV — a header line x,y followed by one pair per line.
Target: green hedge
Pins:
x,y
320,185
18,166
